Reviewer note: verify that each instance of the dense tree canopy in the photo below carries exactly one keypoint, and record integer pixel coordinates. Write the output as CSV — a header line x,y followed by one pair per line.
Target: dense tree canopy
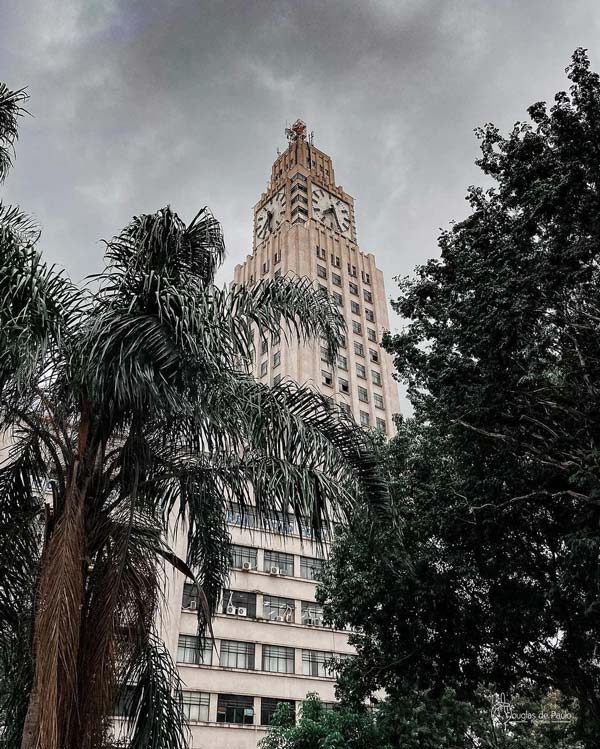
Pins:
x,y
491,574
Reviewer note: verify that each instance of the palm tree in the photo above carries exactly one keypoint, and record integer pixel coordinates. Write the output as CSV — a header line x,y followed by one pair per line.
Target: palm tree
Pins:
x,y
132,400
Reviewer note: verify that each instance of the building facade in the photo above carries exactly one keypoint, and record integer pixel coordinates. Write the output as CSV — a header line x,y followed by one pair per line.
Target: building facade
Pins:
x,y
270,642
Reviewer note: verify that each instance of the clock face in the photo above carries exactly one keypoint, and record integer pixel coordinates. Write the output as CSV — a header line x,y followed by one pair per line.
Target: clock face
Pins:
x,y
331,211
271,215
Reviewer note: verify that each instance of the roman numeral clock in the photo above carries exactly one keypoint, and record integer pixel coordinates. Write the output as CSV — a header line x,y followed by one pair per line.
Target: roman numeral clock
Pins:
x,y
331,211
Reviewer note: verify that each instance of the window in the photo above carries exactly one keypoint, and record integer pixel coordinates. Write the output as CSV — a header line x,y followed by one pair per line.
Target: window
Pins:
x,y
359,349
277,379
277,659
381,424
374,355
284,562
277,358
275,340
364,419
335,260
355,308
239,599
191,650
345,408
378,400
363,395
353,288
342,362
339,300
241,555
190,596
361,371
264,347
310,569
372,335
123,707
370,315
376,377
263,368
265,267
366,278
321,271
195,705
311,613
326,378
299,209
320,253
356,327
245,518
277,608
237,654
235,708
337,280
324,353
344,387
268,707
277,258
368,297
313,663
343,342
299,199
352,270
298,176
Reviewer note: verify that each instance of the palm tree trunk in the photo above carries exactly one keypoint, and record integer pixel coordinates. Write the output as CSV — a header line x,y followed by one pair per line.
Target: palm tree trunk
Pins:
x,y
57,623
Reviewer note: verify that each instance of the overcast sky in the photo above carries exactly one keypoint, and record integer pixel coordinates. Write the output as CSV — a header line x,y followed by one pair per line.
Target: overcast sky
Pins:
x,y
140,104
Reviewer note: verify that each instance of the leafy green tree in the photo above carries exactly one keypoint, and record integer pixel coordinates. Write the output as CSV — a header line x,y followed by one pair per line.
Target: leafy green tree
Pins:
x,y
319,728
490,574
132,398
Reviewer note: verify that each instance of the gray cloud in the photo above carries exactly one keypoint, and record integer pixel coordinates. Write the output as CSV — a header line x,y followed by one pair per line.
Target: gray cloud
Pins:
x,y
137,104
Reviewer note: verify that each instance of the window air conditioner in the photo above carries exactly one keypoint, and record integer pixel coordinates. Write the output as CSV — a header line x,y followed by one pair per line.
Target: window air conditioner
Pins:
x,y
231,609
308,621
242,611
192,605
247,566
274,571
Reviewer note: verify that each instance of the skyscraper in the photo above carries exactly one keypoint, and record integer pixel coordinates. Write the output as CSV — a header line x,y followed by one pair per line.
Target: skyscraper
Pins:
x,y
271,645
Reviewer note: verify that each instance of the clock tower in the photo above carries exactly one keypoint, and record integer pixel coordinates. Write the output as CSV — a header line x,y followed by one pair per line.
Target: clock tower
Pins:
x,y
304,225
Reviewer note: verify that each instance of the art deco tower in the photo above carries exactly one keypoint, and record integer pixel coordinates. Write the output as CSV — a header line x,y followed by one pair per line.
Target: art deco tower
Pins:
x,y
304,224
271,645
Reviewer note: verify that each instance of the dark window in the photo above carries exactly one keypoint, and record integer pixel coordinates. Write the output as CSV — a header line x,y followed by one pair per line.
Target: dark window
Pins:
x,y
310,569
279,560
321,271
237,654
337,280
278,609
234,600
370,315
235,708
356,327
339,300
263,368
268,707
381,424
368,297
353,288
355,308
191,650
374,355
364,419
326,378
343,385
190,597
242,555
278,659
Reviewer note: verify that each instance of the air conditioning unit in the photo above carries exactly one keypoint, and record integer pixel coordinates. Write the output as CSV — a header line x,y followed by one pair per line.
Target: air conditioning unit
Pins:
x,y
192,605
274,571
242,611
247,566
231,609
308,621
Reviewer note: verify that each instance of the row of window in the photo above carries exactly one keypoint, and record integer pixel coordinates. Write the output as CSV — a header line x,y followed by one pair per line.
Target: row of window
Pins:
x,y
277,523
275,608
335,261
276,659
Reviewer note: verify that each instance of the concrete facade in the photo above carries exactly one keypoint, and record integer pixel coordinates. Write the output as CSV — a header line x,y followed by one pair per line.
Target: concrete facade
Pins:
x,y
270,641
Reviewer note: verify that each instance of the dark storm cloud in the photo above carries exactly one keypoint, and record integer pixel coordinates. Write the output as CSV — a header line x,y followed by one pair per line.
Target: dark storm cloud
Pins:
x,y
139,104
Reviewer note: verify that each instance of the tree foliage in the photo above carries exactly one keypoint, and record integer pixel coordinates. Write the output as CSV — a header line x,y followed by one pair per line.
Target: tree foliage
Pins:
x,y
131,403
494,577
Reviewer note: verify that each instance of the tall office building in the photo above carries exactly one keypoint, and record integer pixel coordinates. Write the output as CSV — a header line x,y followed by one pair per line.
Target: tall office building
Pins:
x,y
271,645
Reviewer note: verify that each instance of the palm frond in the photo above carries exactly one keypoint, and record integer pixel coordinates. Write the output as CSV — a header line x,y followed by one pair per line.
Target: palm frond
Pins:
x,y
10,111
152,697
